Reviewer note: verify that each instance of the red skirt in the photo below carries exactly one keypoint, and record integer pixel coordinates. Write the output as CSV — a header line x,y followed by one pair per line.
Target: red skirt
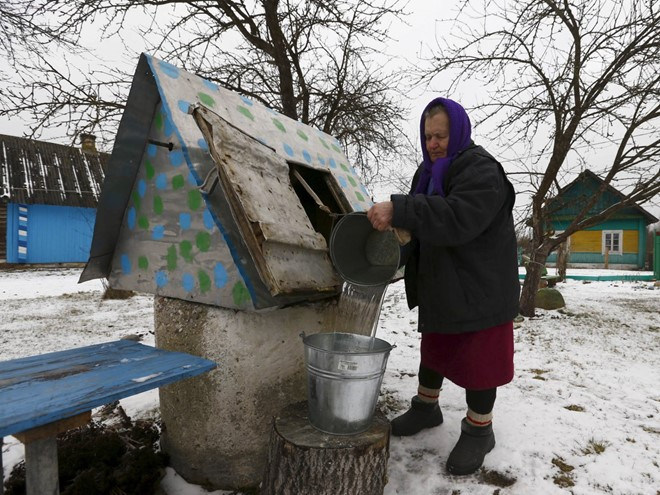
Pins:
x,y
474,360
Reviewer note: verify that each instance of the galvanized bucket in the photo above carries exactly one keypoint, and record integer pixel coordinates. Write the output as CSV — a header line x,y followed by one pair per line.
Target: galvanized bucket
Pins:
x,y
361,254
344,373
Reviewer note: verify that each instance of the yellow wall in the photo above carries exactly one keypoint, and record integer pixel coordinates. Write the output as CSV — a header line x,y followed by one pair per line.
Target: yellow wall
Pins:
x,y
630,241
591,241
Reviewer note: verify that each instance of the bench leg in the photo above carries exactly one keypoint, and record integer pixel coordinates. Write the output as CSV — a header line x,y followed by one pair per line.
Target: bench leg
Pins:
x,y
41,477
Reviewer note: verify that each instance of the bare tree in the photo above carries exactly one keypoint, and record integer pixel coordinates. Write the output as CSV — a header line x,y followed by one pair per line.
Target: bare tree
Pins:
x,y
19,30
312,60
564,77
63,96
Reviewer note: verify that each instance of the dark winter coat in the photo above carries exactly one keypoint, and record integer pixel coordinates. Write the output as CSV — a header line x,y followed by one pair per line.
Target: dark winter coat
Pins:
x,y
461,267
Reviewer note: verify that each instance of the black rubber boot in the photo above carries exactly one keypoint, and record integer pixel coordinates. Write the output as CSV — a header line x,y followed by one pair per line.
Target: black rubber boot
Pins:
x,y
420,416
472,446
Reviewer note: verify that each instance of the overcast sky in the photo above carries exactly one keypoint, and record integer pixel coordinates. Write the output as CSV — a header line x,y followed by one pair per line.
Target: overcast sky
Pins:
x,y
411,38
408,37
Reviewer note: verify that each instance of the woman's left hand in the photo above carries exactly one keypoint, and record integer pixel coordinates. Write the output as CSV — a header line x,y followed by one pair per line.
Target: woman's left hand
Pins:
x,y
380,215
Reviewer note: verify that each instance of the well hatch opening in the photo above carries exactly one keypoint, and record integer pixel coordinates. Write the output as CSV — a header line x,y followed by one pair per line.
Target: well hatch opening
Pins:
x,y
320,196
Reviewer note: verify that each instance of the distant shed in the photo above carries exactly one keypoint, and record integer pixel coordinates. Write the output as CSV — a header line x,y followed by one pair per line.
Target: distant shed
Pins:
x,y
48,198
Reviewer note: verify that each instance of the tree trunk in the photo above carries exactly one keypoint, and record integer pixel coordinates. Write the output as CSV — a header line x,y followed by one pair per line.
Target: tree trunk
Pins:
x,y
563,254
531,284
305,461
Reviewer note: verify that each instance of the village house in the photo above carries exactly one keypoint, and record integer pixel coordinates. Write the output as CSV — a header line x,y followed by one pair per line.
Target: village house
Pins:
x,y
620,242
48,198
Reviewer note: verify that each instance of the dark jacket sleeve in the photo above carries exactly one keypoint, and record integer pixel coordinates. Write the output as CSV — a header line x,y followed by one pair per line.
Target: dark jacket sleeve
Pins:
x,y
474,196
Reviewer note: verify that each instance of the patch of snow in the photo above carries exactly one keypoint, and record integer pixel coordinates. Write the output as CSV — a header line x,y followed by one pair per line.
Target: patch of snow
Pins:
x,y
146,378
585,391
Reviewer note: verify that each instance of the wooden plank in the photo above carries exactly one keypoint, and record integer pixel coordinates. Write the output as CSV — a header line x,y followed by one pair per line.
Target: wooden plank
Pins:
x,y
38,390
266,208
55,428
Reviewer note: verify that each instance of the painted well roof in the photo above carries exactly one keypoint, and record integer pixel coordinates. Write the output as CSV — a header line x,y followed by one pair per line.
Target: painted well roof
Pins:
x,y
214,198
38,172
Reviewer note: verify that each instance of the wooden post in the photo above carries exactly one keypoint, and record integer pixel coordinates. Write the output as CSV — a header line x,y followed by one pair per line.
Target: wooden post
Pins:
x,y
41,468
305,461
607,258
41,474
2,469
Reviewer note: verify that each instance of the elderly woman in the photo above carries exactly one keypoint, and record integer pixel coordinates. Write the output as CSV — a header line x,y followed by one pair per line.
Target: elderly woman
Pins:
x,y
461,271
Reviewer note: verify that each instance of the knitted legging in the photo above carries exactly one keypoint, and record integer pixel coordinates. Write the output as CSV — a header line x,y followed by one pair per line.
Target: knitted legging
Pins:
x,y
480,401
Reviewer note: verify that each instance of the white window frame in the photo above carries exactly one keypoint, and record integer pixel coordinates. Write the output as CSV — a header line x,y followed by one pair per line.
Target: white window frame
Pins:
x,y
618,233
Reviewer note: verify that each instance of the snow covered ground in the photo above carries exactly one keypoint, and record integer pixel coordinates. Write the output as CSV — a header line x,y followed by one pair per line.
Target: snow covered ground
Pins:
x,y
582,415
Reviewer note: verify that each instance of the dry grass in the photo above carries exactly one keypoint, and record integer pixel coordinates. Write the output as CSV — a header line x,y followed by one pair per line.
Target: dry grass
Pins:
x,y
496,478
594,447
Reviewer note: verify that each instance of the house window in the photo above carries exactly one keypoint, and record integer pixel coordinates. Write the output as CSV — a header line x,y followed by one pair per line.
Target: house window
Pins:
x,y
612,241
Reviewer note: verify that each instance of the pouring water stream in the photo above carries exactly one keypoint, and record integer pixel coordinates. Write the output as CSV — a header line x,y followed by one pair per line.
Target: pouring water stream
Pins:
x,y
358,310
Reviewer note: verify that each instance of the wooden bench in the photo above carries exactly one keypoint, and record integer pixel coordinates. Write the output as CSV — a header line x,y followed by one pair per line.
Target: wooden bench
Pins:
x,y
41,396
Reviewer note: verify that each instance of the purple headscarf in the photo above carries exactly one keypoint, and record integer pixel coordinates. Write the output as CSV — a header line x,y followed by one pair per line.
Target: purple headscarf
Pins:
x,y
459,139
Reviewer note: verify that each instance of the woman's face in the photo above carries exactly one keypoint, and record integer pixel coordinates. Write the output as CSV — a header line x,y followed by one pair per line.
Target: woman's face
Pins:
x,y
436,134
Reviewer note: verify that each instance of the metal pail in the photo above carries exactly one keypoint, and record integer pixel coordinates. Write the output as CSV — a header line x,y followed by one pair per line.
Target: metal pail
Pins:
x,y
344,373
361,254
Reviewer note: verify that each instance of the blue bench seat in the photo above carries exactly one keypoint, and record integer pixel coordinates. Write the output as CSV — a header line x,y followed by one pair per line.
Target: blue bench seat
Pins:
x,y
43,394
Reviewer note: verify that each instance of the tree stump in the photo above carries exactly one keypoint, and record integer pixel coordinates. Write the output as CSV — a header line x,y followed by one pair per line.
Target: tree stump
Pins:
x,y
305,461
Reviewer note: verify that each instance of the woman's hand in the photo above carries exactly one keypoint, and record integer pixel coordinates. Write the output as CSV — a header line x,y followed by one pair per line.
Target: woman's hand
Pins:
x,y
380,215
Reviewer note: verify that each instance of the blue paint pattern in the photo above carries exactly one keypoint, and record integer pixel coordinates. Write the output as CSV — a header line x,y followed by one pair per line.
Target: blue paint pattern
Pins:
x,y
176,158
161,279
183,105
168,126
126,264
208,219
131,217
220,275
161,181
188,282
158,232
169,69
210,85
184,220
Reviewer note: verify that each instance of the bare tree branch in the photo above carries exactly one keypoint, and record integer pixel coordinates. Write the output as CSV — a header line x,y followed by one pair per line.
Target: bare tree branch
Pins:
x,y
564,76
311,60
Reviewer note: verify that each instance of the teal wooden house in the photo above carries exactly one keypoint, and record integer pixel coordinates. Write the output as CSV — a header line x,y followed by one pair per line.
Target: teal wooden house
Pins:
x,y
215,198
618,243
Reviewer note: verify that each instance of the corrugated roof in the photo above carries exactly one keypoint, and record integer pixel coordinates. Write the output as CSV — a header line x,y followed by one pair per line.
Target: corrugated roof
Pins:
x,y
38,172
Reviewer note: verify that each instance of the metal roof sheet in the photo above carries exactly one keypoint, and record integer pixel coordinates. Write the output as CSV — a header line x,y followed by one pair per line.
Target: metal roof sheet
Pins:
x,y
39,172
